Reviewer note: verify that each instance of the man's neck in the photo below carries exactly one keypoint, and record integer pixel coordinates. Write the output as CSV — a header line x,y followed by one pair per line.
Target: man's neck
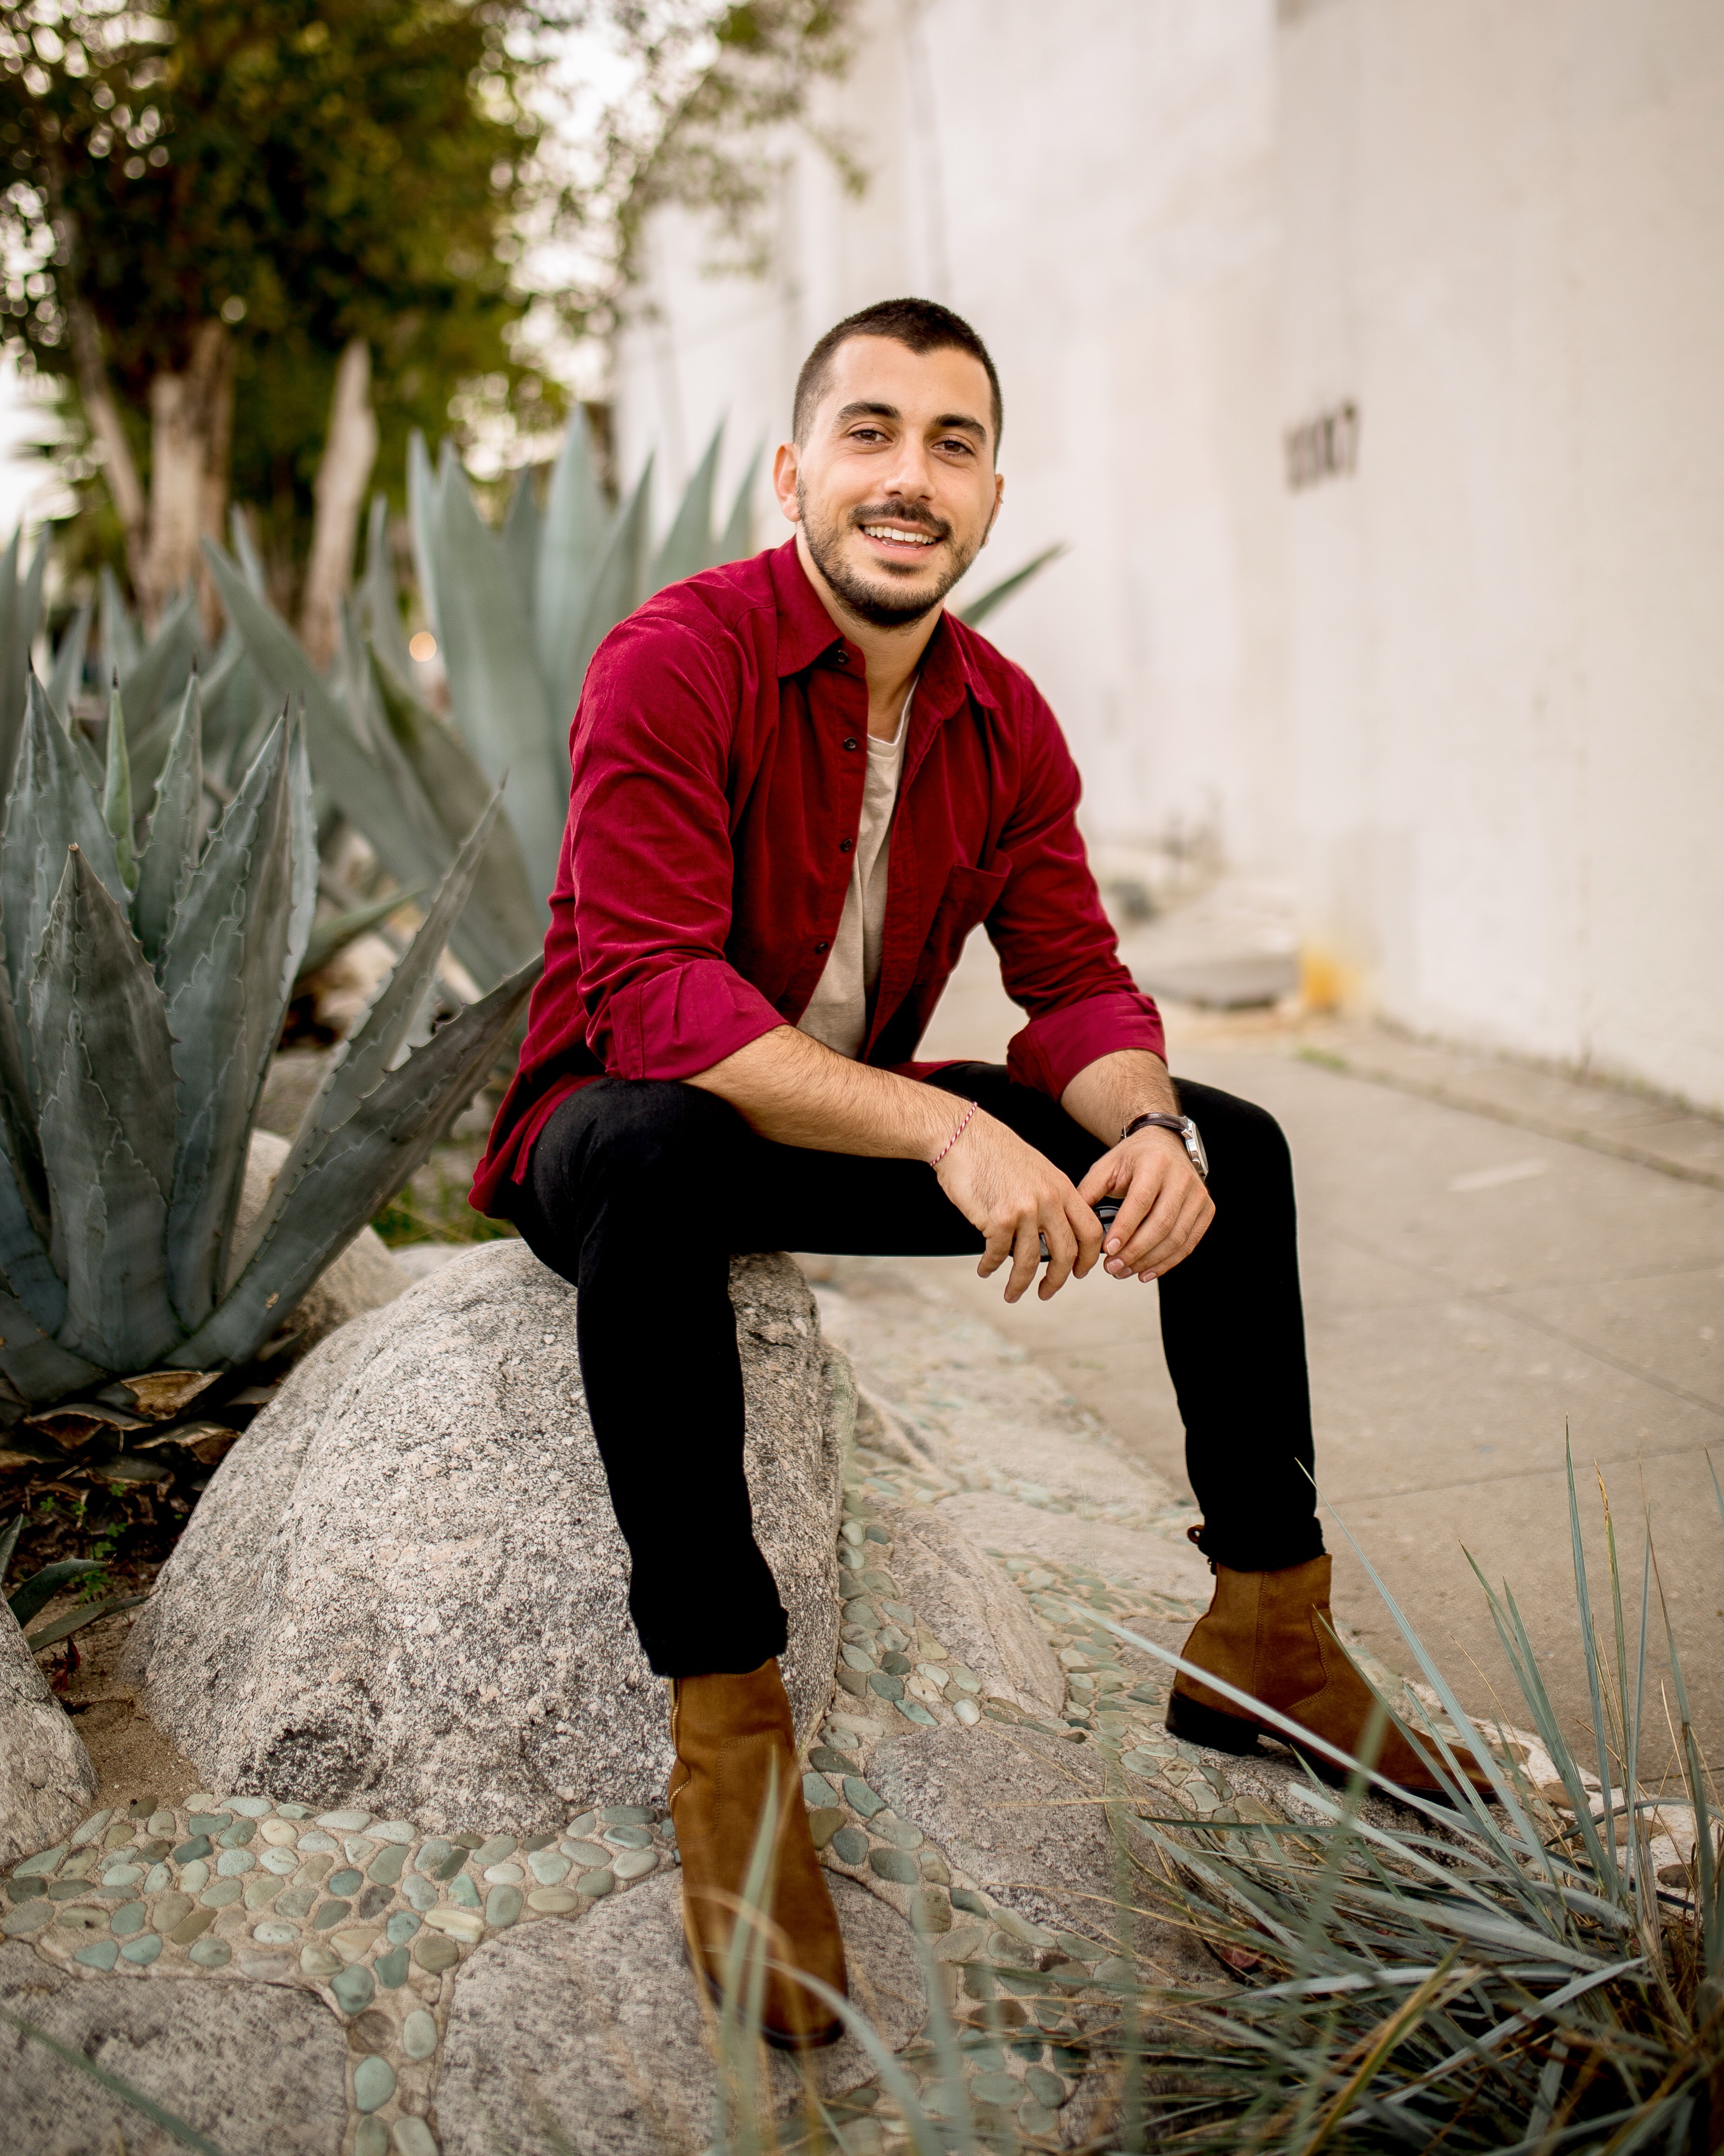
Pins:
x,y
892,654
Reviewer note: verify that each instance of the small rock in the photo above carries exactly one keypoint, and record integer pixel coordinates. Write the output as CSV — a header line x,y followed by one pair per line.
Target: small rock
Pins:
x,y
373,2083
391,1969
466,1925
353,1989
419,2034
502,1907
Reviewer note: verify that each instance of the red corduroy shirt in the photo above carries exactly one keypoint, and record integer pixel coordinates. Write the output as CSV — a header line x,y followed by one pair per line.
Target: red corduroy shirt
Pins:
x,y
719,752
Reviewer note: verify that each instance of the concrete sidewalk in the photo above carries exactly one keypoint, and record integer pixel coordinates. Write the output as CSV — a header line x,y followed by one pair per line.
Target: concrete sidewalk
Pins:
x,y
1476,1286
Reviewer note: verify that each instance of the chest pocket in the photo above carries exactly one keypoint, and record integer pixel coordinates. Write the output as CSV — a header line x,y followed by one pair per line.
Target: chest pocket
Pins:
x,y
969,898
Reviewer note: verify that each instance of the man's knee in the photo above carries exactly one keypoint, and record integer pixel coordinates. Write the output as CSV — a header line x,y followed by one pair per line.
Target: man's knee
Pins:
x,y
652,1135
1241,1138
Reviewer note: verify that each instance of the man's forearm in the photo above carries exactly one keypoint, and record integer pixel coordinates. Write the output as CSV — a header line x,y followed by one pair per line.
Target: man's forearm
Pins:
x,y
797,1091
1112,1092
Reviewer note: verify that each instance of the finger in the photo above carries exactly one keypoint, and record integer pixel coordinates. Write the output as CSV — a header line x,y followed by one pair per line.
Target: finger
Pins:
x,y
1154,1227
1062,1252
1135,1208
1090,1233
1026,1258
1182,1237
1103,1176
998,1250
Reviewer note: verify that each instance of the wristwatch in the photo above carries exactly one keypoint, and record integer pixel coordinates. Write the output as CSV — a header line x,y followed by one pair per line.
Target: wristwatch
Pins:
x,y
1182,1127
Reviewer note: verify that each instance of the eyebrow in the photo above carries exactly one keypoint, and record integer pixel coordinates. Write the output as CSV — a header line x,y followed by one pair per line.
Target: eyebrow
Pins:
x,y
948,421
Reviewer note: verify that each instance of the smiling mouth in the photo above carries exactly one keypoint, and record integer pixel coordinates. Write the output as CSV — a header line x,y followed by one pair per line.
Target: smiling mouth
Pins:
x,y
892,534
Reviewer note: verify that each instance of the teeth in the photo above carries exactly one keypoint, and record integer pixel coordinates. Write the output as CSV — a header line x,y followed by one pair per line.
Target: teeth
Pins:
x,y
904,538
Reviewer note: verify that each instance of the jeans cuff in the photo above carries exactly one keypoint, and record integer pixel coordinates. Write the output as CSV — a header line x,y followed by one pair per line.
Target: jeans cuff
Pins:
x,y
1256,1549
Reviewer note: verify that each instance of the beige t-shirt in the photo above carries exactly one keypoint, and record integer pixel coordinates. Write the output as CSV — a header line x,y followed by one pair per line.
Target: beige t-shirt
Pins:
x,y
837,1011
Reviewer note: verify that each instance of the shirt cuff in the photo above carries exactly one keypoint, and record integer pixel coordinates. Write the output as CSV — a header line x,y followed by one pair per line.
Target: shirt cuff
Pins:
x,y
1051,1049
679,1022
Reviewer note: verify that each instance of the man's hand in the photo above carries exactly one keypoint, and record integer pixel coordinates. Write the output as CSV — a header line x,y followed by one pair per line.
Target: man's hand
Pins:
x,y
1014,1196
1164,1207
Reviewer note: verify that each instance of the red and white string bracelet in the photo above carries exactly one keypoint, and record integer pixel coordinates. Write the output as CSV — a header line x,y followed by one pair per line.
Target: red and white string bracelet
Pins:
x,y
963,1125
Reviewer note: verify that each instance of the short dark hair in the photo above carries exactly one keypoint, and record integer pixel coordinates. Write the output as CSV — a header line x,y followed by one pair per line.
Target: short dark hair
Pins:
x,y
921,325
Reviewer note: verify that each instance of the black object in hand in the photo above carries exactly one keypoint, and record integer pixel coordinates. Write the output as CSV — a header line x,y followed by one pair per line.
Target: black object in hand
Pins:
x,y
1104,1209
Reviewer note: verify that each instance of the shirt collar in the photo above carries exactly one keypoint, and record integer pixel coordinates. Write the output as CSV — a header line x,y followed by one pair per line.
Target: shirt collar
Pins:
x,y
806,632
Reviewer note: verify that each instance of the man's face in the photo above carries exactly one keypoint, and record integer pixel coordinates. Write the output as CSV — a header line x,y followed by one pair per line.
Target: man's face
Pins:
x,y
895,487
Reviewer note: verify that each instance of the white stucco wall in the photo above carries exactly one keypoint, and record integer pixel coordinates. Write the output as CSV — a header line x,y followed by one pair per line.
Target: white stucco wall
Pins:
x,y
1506,649
1470,697
1094,190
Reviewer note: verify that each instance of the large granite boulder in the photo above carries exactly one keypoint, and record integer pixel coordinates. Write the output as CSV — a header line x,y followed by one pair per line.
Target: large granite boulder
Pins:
x,y
47,1783
594,2036
261,2070
405,1585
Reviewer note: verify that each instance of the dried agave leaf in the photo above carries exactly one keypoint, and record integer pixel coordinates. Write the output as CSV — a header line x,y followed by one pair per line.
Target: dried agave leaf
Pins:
x,y
107,1140
494,685
158,1395
386,1138
171,850
226,970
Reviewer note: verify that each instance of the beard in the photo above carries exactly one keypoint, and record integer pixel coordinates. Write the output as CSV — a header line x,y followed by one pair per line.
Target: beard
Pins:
x,y
875,600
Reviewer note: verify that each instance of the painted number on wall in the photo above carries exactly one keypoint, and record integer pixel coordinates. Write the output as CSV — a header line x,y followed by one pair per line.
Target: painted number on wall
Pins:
x,y
1327,447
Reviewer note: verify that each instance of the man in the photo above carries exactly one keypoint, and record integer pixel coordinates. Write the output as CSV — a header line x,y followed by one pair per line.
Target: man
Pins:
x,y
798,786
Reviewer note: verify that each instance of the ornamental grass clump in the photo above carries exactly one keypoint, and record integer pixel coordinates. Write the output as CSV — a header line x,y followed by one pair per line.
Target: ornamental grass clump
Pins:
x,y
141,997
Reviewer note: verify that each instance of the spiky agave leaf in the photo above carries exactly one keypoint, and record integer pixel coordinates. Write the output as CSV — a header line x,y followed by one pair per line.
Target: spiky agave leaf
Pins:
x,y
68,669
116,792
571,543
18,606
422,490
226,970
367,1052
978,608
386,1138
494,685
386,803
734,541
379,605
50,807
504,924
152,686
171,848
122,646
618,586
688,547
520,540
105,1072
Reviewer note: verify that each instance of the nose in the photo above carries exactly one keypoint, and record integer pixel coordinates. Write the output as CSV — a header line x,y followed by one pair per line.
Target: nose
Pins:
x,y
910,475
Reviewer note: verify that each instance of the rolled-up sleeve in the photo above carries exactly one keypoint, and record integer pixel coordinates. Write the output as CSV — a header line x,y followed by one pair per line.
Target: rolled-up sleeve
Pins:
x,y
1057,952
648,867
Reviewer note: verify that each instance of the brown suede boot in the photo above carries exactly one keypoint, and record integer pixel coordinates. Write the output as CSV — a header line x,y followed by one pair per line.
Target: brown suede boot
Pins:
x,y
1271,1633
732,1735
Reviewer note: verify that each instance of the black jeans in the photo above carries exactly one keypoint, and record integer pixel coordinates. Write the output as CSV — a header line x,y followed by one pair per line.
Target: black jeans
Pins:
x,y
625,1166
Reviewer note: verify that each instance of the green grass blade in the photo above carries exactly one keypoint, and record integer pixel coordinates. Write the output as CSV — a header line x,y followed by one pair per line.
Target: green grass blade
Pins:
x,y
74,1620
187,2136
39,1589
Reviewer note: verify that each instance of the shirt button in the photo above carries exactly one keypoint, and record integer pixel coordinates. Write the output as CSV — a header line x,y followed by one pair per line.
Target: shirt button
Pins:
x,y
844,845
851,742
822,945
840,659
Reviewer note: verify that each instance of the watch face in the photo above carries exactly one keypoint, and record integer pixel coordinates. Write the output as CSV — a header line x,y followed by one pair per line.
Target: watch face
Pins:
x,y
1194,1147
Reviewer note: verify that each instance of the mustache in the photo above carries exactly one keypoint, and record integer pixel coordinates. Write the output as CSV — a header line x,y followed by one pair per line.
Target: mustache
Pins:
x,y
902,512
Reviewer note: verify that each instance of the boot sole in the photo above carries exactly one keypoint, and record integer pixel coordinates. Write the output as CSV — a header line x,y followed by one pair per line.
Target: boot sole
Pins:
x,y
1197,1724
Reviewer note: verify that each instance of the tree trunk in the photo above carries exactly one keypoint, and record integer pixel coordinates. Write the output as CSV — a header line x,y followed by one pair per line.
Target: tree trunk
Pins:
x,y
125,490
191,434
342,477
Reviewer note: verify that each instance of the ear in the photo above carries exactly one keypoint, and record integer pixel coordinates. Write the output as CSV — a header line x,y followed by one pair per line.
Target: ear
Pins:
x,y
785,469
999,496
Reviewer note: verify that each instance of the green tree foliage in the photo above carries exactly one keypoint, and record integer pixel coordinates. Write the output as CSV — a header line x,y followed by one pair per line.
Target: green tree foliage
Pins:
x,y
241,187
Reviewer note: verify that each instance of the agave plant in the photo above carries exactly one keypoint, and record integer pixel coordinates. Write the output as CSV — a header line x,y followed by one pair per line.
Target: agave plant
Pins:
x,y
141,998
